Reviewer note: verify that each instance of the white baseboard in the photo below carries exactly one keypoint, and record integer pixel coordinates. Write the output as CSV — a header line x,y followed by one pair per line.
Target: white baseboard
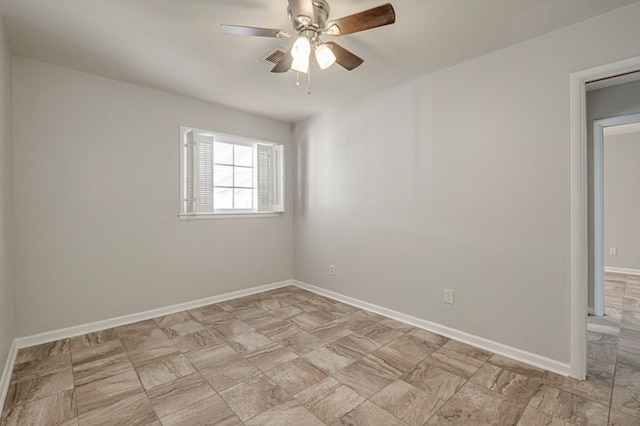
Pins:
x,y
6,373
626,271
470,339
51,336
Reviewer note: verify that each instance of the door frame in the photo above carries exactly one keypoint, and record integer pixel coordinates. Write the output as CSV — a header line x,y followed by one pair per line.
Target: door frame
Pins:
x,y
580,266
598,204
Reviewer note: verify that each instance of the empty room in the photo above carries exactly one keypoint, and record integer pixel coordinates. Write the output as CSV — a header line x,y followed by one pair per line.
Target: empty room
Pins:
x,y
319,212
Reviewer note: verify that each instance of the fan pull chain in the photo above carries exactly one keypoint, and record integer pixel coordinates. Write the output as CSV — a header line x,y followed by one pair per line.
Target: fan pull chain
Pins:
x,y
297,78
309,81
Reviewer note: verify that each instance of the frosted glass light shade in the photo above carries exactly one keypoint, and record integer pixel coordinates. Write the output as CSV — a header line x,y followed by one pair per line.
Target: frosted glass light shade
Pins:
x,y
300,64
301,48
324,56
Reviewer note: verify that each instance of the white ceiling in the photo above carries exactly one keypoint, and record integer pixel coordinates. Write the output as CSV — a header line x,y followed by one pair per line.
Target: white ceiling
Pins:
x,y
176,45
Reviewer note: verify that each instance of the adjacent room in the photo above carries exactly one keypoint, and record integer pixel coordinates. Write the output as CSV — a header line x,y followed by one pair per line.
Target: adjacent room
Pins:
x,y
319,212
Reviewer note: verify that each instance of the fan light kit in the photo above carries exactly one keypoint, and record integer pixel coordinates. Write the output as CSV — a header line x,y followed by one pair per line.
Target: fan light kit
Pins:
x,y
309,20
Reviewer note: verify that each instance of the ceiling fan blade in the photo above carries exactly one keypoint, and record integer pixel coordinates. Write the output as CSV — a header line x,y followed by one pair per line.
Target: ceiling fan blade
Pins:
x,y
284,64
302,10
239,30
344,58
365,20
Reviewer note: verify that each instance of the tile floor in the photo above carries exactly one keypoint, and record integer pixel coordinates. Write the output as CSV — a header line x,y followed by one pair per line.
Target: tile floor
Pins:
x,y
290,357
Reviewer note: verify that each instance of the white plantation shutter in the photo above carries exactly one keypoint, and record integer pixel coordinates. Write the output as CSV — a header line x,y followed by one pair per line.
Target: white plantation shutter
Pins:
x,y
190,164
197,165
264,178
204,174
270,178
277,173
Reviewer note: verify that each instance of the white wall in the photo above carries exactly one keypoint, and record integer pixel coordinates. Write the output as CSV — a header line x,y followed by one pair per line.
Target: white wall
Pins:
x,y
7,296
458,180
96,195
622,200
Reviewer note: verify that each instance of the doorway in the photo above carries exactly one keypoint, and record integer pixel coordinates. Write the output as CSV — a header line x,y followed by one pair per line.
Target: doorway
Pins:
x,y
601,128
581,267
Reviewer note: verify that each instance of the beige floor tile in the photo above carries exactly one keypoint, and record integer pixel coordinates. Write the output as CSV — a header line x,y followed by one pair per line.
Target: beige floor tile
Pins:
x,y
534,417
181,393
300,341
164,370
38,387
358,320
210,313
517,387
468,350
330,358
93,339
394,362
275,329
133,410
41,367
247,342
95,352
270,356
569,407
107,391
414,346
254,396
407,402
515,366
356,345
474,402
144,340
599,370
230,305
296,375
172,319
290,413
617,418
182,328
594,390
436,340
309,321
329,400
626,391
96,368
198,340
331,332
47,411
42,351
287,311
454,362
434,380
364,376
397,325
231,327
222,366
368,414
381,333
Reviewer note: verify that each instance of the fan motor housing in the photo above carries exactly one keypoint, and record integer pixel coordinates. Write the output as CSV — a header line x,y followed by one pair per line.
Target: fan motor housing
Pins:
x,y
320,12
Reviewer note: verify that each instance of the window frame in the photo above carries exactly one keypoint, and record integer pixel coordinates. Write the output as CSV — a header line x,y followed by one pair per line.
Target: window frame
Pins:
x,y
278,176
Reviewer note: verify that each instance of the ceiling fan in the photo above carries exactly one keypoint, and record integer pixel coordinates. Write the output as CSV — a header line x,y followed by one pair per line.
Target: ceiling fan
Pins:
x,y
309,21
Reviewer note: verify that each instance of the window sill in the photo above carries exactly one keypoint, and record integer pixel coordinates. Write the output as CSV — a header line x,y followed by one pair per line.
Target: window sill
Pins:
x,y
207,216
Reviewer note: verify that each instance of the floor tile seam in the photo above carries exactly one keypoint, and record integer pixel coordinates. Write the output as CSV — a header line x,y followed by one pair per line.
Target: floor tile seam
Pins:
x,y
140,380
581,396
216,393
443,401
384,409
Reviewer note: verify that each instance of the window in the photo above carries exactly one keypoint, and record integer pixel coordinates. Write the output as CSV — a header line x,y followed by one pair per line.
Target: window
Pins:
x,y
224,174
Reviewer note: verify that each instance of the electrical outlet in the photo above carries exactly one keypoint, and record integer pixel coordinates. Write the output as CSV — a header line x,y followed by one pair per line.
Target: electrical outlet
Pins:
x,y
448,296
332,269
613,251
